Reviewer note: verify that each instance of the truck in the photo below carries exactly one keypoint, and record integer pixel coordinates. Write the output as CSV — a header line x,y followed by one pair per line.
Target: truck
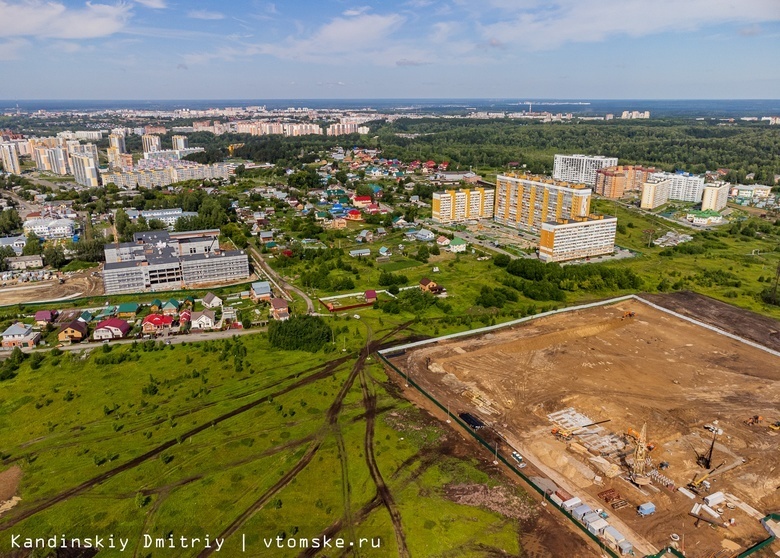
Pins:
x,y
519,458
646,509
473,422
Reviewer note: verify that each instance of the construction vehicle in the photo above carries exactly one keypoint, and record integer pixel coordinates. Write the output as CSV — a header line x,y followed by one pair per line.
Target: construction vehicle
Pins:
x,y
775,426
705,460
566,435
754,420
700,484
631,433
628,315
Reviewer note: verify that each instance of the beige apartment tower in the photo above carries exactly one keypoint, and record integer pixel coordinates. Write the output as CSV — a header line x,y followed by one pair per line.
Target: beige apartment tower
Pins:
x,y
715,196
577,238
655,192
452,206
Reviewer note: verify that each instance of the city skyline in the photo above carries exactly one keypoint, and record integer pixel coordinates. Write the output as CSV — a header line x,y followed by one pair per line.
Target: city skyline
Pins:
x,y
158,49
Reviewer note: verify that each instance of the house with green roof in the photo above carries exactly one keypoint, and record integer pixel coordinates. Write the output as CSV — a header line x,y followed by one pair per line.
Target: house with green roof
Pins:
x,y
127,310
156,305
458,245
706,217
171,307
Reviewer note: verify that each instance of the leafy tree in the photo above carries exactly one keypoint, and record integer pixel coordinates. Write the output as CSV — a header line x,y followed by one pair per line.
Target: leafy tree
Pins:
x,y
54,255
300,333
32,246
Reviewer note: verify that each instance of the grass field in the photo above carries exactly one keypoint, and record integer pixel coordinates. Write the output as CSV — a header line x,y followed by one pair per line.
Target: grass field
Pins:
x,y
191,439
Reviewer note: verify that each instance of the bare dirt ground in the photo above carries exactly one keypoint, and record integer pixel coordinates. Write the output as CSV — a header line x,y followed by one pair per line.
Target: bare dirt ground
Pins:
x,y
79,284
653,368
749,325
9,482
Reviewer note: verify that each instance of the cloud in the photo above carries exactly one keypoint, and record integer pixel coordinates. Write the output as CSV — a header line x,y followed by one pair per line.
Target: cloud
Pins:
x,y
205,14
751,31
357,11
155,4
9,50
407,62
34,18
536,26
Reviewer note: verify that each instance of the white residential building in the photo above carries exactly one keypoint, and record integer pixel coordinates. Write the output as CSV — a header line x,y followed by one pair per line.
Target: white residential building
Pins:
x,y
10,158
579,238
117,141
85,170
180,142
683,186
50,228
151,143
580,169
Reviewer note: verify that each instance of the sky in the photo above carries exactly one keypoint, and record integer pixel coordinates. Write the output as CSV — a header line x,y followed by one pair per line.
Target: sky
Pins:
x,y
320,49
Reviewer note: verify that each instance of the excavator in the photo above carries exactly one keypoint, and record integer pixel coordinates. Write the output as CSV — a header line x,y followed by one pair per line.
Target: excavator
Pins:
x,y
566,435
628,315
755,420
699,485
631,433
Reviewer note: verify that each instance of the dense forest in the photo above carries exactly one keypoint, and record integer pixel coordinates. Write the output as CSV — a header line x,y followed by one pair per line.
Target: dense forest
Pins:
x,y
669,144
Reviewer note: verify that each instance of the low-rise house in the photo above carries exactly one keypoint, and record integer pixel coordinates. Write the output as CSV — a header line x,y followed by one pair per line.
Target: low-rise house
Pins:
x,y
112,328
458,245
73,332
229,314
338,223
279,309
86,316
156,305
354,215
360,253
425,235
380,231
384,251
170,307
370,295
20,335
20,263
128,310
185,316
44,317
365,236
206,319
443,241
428,286
261,290
211,301
361,201
189,301
154,323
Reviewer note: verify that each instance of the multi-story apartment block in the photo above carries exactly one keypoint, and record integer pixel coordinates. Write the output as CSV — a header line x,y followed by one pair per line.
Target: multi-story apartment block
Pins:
x,y
172,154
180,142
343,128
684,186
655,192
58,160
94,135
10,158
580,168
459,205
577,238
117,141
151,129
165,175
526,201
614,182
160,261
85,170
715,196
151,143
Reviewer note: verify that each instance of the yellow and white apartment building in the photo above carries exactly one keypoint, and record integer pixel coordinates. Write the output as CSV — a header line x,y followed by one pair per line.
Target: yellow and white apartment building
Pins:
x,y
527,201
580,237
459,205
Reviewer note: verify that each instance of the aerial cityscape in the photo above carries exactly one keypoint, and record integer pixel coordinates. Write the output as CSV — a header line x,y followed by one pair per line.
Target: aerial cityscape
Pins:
x,y
435,279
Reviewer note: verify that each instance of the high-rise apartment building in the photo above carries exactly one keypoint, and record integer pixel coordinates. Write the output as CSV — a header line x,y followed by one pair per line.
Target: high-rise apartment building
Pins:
x,y
459,205
715,196
527,201
58,160
117,141
85,169
614,182
580,168
655,192
180,142
683,186
577,238
151,143
10,158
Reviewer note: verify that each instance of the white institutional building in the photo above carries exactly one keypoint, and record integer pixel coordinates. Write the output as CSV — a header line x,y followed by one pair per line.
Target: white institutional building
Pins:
x,y
580,169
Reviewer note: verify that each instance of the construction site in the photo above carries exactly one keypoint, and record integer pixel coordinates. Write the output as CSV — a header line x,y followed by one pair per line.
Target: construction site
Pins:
x,y
650,429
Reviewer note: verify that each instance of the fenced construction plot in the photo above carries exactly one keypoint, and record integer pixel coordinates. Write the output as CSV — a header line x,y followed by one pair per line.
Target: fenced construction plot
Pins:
x,y
650,367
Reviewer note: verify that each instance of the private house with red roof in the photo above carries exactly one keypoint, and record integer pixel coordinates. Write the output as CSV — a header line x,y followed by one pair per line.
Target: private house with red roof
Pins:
x,y
112,328
370,296
154,323
43,317
361,201
354,215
